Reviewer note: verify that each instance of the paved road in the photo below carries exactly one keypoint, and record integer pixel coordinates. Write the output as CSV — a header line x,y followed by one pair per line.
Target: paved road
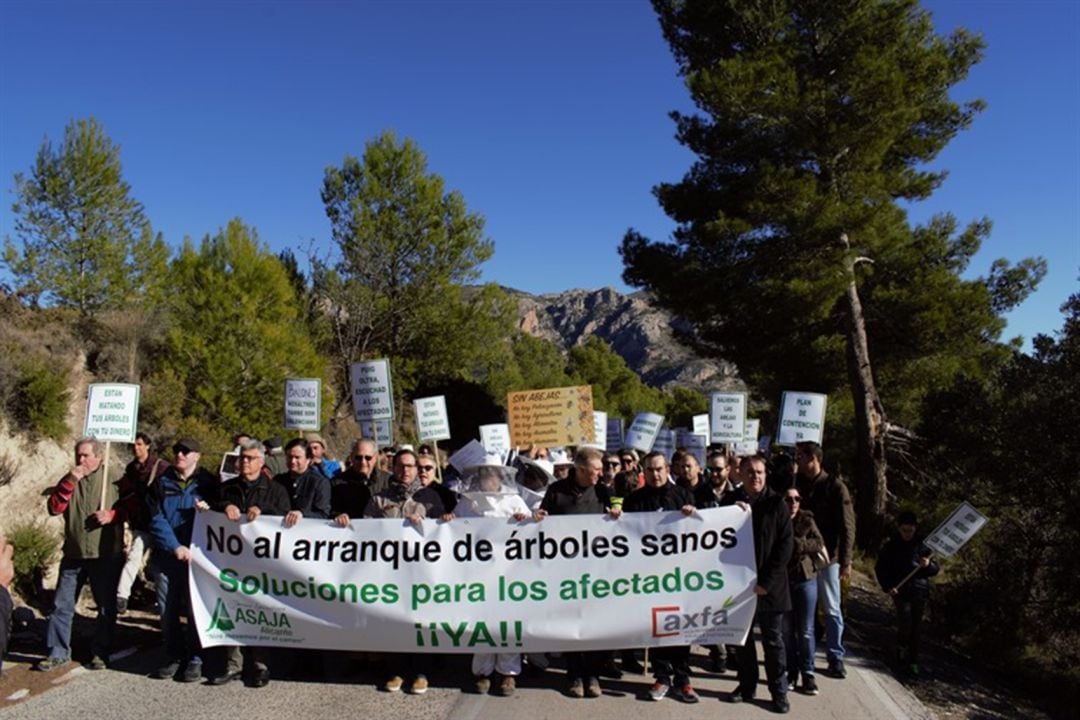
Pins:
x,y
126,691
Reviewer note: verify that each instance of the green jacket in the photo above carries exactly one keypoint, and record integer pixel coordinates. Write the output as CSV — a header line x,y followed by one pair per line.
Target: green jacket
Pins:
x,y
78,500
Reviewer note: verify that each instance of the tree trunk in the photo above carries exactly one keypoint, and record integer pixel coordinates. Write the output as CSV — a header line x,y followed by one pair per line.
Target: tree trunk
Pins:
x,y
870,462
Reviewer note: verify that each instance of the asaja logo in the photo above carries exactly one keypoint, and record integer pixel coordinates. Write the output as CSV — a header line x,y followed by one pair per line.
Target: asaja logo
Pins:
x,y
220,620
671,620
225,619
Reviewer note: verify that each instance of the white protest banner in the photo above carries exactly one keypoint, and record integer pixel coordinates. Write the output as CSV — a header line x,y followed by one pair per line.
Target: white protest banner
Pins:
x,y
802,418
701,424
112,412
496,438
473,453
303,403
372,393
665,443
643,431
380,430
432,422
951,535
475,585
614,434
749,444
727,416
551,417
599,431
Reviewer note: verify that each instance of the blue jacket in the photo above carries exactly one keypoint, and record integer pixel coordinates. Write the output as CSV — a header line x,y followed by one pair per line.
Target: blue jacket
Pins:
x,y
172,507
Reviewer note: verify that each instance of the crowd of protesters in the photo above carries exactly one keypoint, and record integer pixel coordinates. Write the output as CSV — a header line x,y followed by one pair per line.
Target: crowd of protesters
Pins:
x,y
802,517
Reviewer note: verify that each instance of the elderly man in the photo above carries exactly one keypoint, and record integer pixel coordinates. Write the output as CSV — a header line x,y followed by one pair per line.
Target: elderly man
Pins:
x,y
580,494
171,502
830,502
352,489
143,470
93,549
659,494
773,545
248,497
309,491
406,497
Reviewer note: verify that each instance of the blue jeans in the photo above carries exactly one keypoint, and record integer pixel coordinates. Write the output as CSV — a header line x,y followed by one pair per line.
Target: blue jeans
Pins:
x,y
828,585
103,574
799,628
174,600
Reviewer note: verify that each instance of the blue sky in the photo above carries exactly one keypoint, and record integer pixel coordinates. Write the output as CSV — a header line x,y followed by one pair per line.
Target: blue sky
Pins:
x,y
549,117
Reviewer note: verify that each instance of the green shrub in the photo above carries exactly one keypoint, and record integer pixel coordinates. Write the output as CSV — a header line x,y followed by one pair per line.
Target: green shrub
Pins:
x,y
41,400
36,547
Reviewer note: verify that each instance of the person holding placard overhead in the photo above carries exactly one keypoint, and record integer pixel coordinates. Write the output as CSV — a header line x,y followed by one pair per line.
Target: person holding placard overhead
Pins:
x,y
830,502
93,550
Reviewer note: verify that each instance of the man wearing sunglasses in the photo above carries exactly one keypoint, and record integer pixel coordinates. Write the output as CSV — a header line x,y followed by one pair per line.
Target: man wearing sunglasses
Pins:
x,y
172,500
352,490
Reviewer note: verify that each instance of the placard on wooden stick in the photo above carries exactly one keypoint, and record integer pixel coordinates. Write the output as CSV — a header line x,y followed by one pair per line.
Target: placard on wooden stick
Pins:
x,y
551,417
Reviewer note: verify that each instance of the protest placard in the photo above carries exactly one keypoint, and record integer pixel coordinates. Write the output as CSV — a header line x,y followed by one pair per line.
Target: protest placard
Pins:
x,y
957,529
643,431
802,418
696,445
749,445
614,434
372,392
727,416
381,431
475,585
496,438
432,421
112,412
551,417
701,424
303,403
473,453
665,442
599,430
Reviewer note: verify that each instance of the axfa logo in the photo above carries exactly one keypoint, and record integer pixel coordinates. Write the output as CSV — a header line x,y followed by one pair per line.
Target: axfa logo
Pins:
x,y
221,619
671,620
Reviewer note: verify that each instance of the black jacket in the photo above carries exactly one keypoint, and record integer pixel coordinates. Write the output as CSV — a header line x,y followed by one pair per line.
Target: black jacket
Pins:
x,y
773,543
309,493
896,559
650,499
270,497
566,497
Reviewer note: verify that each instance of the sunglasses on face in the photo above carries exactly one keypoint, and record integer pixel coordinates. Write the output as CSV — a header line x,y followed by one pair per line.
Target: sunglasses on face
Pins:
x,y
612,464
425,468
792,499
367,458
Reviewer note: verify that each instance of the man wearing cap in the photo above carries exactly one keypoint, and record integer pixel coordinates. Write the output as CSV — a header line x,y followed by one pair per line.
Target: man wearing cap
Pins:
x,y
274,457
172,500
94,518
320,461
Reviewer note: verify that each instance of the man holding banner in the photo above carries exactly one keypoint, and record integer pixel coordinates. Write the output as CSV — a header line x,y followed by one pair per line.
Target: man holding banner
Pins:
x,y
773,545
93,549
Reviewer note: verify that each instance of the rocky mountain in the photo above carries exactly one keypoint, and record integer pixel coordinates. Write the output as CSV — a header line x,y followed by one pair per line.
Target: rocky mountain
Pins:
x,y
646,336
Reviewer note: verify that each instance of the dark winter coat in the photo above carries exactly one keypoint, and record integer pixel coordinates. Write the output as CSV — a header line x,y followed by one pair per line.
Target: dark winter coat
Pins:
x,y
896,559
